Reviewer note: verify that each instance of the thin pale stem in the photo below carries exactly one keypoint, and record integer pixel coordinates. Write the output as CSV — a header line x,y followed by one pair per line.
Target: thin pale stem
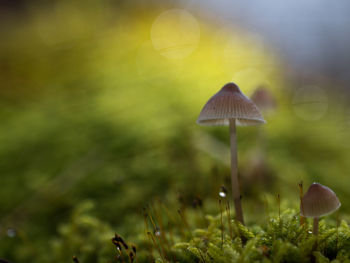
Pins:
x,y
337,230
301,193
222,225
315,229
234,173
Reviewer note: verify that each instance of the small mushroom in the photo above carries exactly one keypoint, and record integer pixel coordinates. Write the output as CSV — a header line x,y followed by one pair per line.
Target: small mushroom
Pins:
x,y
319,200
230,107
264,99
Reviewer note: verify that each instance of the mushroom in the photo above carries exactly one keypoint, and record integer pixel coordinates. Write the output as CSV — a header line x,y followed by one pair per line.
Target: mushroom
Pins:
x,y
230,107
264,99
319,200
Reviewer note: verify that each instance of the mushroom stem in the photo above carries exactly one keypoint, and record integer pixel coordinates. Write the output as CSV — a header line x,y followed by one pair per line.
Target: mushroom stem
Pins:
x,y
234,173
315,229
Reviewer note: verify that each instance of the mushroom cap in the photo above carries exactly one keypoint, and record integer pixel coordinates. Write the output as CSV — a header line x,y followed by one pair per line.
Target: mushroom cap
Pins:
x,y
319,200
230,103
264,99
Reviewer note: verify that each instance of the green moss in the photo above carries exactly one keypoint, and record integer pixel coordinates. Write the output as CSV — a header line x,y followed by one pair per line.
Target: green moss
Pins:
x,y
282,239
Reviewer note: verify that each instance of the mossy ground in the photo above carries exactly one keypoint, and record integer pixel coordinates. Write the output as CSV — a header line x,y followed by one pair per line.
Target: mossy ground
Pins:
x,y
188,235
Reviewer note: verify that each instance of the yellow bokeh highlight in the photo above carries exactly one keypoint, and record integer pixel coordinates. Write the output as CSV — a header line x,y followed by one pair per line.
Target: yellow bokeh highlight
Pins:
x,y
175,33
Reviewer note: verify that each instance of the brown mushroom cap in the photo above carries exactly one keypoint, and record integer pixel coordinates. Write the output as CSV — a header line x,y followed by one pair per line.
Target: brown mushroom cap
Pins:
x,y
319,200
230,103
263,99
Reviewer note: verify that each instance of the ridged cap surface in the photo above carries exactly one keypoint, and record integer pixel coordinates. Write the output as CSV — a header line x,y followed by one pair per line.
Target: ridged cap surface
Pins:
x,y
319,200
230,103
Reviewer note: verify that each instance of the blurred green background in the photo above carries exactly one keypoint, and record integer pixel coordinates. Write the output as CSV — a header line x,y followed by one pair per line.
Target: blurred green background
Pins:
x,y
98,103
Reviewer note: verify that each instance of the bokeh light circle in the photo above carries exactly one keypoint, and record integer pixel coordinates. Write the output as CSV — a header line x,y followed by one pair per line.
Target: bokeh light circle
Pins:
x,y
175,34
310,103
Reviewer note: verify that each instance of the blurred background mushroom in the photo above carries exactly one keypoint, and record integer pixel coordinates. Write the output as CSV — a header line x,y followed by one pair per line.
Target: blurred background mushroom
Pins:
x,y
258,173
264,99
